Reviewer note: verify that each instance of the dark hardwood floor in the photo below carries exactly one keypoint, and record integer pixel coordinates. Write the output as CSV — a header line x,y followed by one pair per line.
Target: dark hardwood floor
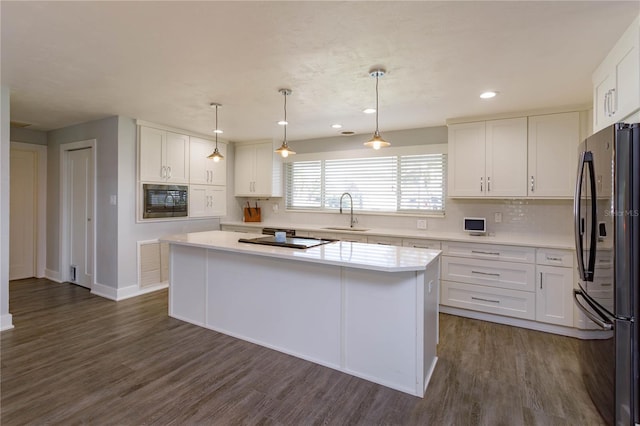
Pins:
x,y
75,358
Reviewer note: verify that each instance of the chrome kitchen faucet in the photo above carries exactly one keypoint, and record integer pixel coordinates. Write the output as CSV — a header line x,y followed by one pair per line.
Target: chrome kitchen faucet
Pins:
x,y
353,220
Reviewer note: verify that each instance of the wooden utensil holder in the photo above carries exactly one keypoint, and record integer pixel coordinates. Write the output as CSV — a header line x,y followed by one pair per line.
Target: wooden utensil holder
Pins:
x,y
252,214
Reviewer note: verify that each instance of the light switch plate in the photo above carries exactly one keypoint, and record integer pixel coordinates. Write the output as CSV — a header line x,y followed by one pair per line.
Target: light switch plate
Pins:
x,y
497,217
422,223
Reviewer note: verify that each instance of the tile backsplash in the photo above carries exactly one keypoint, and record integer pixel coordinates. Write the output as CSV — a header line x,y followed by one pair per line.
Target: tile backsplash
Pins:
x,y
519,216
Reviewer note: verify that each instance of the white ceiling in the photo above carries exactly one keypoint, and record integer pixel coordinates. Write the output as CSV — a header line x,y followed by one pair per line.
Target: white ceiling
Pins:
x,y
164,62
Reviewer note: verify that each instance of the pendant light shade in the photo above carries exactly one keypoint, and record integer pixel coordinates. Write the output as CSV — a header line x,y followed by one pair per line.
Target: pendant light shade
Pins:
x,y
284,149
376,142
215,155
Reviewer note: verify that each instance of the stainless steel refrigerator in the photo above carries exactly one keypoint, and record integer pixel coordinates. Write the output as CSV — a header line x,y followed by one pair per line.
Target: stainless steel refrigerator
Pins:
x,y
607,233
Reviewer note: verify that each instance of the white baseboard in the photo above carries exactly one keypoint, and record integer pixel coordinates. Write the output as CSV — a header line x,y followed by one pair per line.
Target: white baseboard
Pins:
x,y
531,325
52,275
6,322
118,294
104,291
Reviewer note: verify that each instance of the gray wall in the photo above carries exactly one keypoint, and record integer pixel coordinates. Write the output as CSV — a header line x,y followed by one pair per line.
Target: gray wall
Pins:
x,y
28,136
426,135
105,132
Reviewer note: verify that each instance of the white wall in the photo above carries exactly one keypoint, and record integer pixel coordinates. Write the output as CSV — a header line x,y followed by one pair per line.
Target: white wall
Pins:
x,y
5,317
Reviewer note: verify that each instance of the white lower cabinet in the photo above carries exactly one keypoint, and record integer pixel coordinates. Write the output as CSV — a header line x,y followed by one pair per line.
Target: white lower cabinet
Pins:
x,y
554,296
385,241
513,303
489,278
207,201
417,243
517,282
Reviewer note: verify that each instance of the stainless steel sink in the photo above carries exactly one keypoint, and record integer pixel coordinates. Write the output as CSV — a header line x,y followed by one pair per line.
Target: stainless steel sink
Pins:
x,y
346,228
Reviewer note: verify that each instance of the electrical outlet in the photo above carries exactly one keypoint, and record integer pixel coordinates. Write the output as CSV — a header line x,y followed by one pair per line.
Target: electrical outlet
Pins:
x,y
422,223
497,217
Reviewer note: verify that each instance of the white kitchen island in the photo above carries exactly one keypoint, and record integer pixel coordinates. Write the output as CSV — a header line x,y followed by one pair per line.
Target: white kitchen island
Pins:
x,y
365,309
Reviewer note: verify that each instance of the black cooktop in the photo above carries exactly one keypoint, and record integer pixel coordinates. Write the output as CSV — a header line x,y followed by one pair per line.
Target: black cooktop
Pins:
x,y
291,242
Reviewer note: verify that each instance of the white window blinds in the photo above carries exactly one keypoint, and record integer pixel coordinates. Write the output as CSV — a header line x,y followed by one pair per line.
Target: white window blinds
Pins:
x,y
397,183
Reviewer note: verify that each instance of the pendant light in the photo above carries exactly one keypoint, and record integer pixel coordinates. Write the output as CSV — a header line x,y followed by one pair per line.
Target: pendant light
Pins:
x,y
215,155
376,142
284,149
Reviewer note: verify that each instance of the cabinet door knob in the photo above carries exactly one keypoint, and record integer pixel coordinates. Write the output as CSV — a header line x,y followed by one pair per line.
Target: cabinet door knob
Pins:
x,y
481,189
488,184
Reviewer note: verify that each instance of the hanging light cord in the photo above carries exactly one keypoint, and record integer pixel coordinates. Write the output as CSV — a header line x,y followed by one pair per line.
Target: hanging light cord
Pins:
x,y
377,77
216,131
285,118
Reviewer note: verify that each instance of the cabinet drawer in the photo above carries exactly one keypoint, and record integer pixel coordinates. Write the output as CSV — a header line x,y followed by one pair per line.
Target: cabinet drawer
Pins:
x,y
511,275
387,241
513,303
490,251
427,244
554,257
353,238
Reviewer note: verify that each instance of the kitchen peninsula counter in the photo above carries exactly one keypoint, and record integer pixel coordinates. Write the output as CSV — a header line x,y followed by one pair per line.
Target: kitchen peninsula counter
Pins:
x,y
364,309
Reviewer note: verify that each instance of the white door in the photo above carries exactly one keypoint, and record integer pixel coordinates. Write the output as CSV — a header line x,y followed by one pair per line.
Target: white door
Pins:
x,y
80,214
22,209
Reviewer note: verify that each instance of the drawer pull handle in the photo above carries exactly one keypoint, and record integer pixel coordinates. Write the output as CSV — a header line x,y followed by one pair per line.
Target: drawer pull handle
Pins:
x,y
492,274
605,285
557,259
484,300
493,253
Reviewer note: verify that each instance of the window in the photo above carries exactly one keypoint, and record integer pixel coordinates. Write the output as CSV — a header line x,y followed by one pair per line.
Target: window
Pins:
x,y
386,184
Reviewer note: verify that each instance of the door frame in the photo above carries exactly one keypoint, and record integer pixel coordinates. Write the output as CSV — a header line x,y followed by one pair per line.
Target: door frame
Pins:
x,y
64,207
41,203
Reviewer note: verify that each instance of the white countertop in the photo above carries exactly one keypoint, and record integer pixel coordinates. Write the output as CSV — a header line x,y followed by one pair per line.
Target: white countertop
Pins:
x,y
542,241
340,253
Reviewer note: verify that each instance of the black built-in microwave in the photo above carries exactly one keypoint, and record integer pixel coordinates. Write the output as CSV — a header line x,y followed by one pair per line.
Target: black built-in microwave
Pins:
x,y
164,201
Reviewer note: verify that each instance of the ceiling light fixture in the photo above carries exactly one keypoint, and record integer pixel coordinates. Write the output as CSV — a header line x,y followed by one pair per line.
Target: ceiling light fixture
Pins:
x,y
337,126
488,95
215,155
376,141
284,149
369,110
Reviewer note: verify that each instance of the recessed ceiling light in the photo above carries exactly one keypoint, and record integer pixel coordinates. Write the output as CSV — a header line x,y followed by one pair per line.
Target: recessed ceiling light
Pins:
x,y
218,131
337,126
369,110
282,123
488,95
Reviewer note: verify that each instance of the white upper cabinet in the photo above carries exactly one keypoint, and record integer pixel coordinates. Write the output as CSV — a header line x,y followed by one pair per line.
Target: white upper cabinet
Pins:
x,y
164,156
488,159
616,82
207,200
203,170
506,158
258,171
553,154
466,162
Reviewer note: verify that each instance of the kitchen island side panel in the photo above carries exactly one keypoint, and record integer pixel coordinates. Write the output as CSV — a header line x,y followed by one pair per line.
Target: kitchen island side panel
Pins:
x,y
382,327
290,306
187,278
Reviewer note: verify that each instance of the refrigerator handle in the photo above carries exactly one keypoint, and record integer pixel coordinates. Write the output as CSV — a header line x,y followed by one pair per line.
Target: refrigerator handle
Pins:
x,y
599,319
591,267
576,215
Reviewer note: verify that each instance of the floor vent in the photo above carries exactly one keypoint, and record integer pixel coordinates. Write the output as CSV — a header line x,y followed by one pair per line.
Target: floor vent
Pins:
x,y
153,263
